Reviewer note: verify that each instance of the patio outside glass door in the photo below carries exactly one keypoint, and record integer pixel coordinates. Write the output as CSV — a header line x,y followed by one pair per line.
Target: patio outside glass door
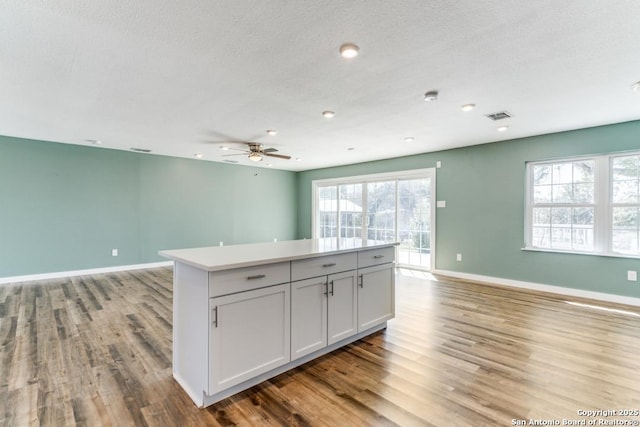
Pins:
x,y
389,210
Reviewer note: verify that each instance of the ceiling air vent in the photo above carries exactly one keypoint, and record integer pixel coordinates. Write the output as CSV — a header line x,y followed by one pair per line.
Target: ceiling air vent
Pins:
x,y
499,116
141,150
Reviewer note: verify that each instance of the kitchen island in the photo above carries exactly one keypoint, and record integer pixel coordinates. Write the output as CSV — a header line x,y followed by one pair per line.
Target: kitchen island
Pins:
x,y
245,313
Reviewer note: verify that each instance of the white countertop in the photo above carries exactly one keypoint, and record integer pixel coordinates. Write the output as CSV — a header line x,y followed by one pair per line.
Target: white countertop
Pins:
x,y
216,258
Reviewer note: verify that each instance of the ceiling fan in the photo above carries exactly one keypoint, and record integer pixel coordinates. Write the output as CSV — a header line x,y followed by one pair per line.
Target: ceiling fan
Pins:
x,y
257,151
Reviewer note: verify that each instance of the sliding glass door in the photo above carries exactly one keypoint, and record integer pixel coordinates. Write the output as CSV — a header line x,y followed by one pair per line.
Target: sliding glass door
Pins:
x,y
379,208
381,212
414,222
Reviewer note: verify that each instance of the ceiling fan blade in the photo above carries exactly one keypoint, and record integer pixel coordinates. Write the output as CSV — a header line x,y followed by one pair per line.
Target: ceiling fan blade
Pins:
x,y
238,154
269,150
280,156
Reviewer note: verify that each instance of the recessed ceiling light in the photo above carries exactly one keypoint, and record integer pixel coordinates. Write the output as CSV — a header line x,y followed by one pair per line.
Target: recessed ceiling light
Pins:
x,y
468,107
272,132
431,96
636,87
270,164
298,159
198,155
502,128
224,148
408,139
349,50
94,141
328,114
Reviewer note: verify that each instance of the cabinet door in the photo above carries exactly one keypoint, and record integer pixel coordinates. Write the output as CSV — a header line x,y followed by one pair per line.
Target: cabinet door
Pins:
x,y
249,335
376,295
342,308
308,316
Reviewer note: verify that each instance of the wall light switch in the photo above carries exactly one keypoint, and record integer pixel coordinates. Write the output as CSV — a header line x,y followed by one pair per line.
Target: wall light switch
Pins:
x,y
114,252
458,257
632,276
441,204
438,164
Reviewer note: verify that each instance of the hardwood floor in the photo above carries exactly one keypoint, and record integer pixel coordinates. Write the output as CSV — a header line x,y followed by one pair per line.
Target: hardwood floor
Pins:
x,y
96,350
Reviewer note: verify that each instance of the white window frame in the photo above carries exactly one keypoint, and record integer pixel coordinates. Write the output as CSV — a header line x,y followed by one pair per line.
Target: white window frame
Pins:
x,y
603,206
370,178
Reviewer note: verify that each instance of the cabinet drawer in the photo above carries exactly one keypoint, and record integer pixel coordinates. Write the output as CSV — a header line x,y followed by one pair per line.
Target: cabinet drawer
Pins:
x,y
376,256
244,279
320,266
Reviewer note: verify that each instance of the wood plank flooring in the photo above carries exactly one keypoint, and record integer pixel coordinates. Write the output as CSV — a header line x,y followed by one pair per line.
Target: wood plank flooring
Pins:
x,y
96,351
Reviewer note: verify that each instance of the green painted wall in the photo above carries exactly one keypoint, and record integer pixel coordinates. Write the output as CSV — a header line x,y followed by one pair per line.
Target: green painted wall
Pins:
x,y
64,207
484,187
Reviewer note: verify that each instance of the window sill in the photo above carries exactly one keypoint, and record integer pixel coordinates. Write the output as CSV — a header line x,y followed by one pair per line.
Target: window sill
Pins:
x,y
559,251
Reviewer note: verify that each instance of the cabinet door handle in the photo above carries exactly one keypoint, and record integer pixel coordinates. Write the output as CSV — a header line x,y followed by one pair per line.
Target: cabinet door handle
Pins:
x,y
361,277
378,256
214,316
326,289
257,276
333,264
331,291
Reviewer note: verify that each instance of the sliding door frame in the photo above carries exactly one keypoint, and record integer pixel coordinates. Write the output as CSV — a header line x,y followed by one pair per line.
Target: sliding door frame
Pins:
x,y
378,177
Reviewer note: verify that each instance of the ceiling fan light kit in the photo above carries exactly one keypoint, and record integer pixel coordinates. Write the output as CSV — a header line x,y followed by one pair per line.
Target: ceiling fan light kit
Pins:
x,y
256,152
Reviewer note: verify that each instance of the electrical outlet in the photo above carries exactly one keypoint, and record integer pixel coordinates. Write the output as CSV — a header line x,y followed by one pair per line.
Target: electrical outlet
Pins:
x,y
114,252
438,164
458,257
632,276
275,239
441,203
221,243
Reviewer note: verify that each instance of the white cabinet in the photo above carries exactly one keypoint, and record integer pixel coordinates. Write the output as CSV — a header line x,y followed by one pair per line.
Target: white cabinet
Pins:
x,y
323,312
342,318
249,335
308,316
324,302
376,295
245,313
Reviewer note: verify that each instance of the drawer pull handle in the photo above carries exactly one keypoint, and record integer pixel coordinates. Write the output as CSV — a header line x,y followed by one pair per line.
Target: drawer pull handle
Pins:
x,y
333,264
378,256
257,276
361,277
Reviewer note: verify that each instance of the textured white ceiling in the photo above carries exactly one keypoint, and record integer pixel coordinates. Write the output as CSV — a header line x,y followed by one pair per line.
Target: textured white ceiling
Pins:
x,y
182,78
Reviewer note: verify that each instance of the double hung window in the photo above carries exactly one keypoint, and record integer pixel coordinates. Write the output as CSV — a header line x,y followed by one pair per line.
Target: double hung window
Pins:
x,y
586,205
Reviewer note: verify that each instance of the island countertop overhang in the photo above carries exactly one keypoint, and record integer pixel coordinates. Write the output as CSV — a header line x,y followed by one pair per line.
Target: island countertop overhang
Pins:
x,y
218,258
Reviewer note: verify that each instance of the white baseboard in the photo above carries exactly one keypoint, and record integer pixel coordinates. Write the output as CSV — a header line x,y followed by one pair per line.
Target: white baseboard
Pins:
x,y
57,275
601,296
